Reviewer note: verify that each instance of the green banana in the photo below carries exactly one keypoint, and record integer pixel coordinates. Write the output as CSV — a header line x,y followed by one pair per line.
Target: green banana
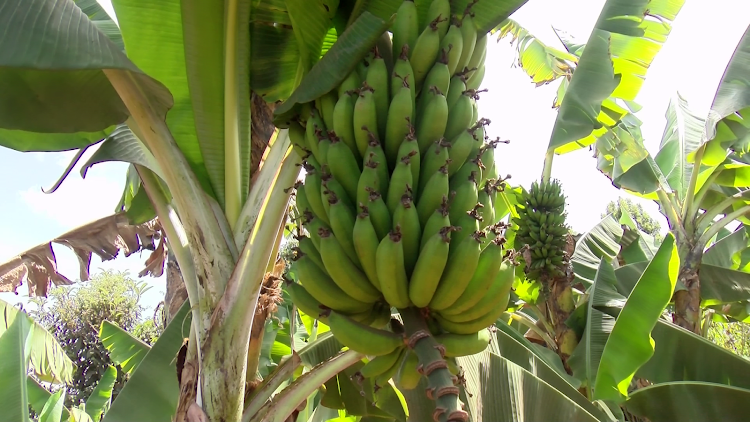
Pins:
x,y
480,50
351,83
487,211
343,165
326,104
331,184
490,270
343,271
313,193
439,75
466,197
437,221
304,301
457,345
432,122
313,224
433,194
469,37
398,124
343,125
378,79
487,154
380,364
426,51
376,153
366,243
362,338
391,270
324,142
407,218
368,179
454,44
474,325
468,224
476,78
301,201
401,181
342,225
402,71
408,376
379,214
381,315
439,10
459,117
435,157
429,268
460,149
405,28
313,128
455,89
365,118
457,274
410,147
311,161
307,247
383,378
297,138
496,298
324,289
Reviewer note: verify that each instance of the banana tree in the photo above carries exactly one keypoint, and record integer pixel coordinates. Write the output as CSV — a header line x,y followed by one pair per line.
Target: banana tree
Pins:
x,y
599,81
185,103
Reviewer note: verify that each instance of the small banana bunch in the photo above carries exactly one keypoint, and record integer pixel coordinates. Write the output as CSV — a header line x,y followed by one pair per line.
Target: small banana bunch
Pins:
x,y
398,202
541,225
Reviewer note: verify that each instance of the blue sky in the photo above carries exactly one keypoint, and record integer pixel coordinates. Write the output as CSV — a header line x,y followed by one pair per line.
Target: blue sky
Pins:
x,y
692,61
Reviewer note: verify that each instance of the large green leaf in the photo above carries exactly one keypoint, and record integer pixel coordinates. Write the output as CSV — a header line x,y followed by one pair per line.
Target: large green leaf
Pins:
x,y
275,53
682,134
48,359
102,21
310,22
487,14
155,42
504,391
721,278
613,65
152,391
101,397
55,95
690,402
630,344
601,242
123,145
53,409
15,349
680,355
727,122
351,47
124,349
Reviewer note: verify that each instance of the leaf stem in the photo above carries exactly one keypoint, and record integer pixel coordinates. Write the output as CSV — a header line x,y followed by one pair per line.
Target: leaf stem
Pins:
x,y
673,218
715,227
525,320
705,220
210,251
698,200
547,171
232,167
690,193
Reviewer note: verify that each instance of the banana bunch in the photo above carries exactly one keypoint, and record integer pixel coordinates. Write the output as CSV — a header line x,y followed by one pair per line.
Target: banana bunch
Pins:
x,y
398,198
541,225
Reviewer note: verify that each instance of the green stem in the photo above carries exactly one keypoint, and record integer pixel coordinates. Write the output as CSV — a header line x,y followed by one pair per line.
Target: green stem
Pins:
x,y
525,320
178,242
232,167
698,200
214,263
441,383
270,384
715,227
542,317
673,217
234,314
547,171
690,193
705,220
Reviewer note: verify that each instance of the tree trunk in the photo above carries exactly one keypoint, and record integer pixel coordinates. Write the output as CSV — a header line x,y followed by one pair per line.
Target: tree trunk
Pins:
x,y
687,303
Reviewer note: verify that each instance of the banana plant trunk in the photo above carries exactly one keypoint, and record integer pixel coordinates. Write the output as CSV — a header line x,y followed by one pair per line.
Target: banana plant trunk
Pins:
x,y
687,301
560,305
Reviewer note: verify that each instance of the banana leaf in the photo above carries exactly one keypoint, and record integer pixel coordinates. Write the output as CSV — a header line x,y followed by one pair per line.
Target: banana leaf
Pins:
x,y
151,393
101,398
15,349
124,349
601,242
48,359
690,402
53,409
